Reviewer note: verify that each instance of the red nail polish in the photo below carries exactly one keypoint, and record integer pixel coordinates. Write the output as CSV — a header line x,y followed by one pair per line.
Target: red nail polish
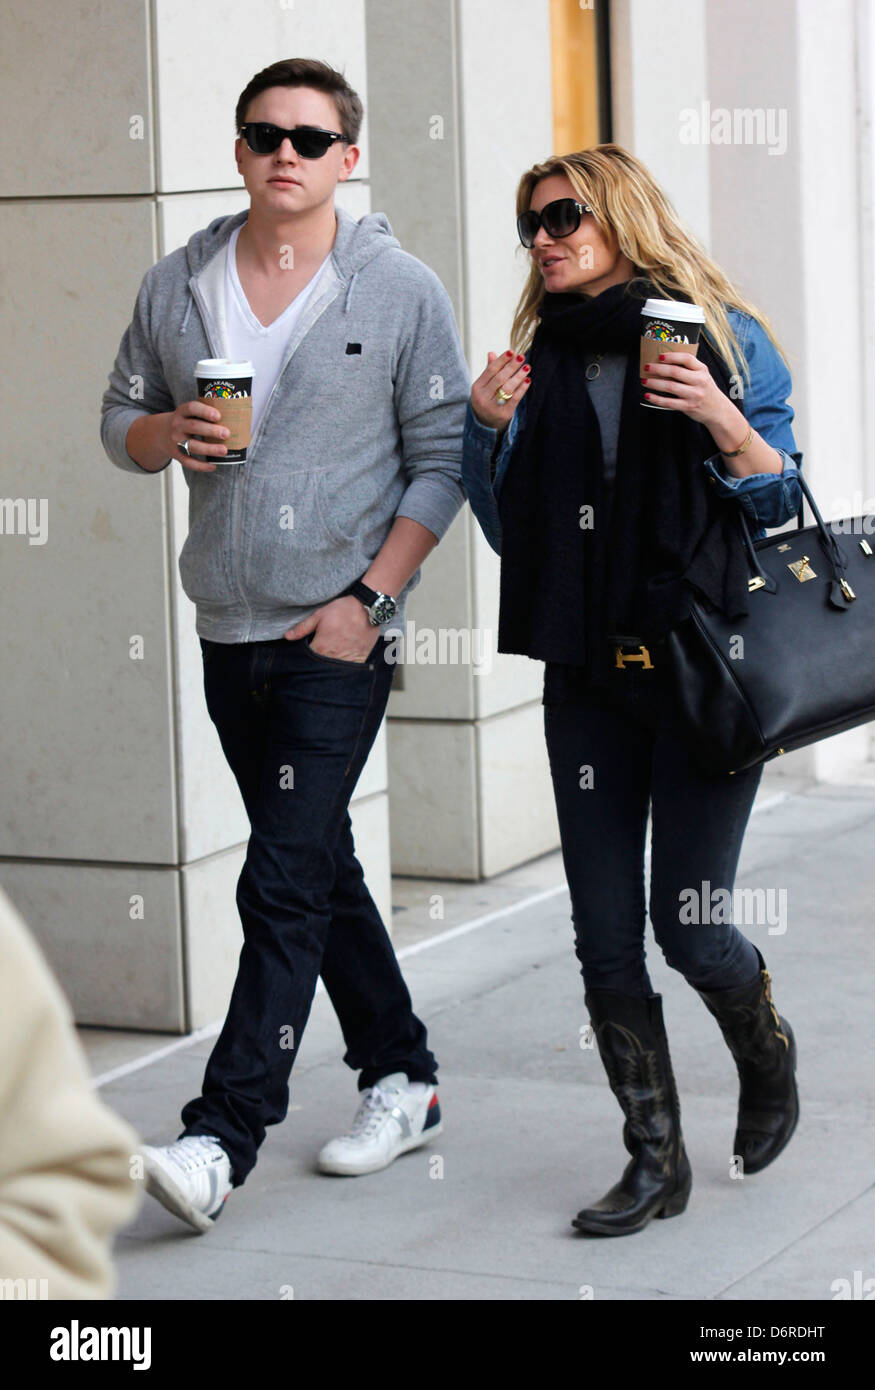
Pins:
x,y
662,357
508,353
519,357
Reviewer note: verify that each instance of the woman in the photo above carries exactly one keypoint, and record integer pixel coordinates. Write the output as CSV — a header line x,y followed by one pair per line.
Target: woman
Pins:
x,y
609,516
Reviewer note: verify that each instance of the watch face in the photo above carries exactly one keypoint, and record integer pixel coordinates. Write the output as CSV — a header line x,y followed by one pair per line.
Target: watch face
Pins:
x,y
384,609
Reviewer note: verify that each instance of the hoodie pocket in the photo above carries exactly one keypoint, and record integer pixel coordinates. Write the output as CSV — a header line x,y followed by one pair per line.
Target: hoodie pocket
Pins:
x,y
298,550
203,567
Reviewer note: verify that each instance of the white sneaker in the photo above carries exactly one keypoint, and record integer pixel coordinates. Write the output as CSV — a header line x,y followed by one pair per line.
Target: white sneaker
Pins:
x,y
191,1178
390,1120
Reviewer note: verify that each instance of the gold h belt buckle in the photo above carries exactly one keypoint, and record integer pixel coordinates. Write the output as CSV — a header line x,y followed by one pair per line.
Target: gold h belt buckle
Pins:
x,y
642,655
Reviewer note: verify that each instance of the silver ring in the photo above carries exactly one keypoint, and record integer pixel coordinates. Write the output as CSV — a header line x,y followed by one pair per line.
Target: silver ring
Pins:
x,y
183,448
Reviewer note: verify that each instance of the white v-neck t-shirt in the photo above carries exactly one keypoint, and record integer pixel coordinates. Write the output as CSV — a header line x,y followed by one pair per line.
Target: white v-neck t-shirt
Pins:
x,y
250,340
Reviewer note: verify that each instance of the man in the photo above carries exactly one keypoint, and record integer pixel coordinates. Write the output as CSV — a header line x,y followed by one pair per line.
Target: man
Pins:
x,y
296,560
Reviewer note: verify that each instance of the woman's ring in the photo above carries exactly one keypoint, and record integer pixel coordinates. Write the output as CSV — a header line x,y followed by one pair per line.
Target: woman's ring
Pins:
x,y
183,448
503,396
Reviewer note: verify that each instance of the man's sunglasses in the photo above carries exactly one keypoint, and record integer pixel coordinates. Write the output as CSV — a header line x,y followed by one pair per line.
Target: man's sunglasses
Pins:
x,y
308,140
559,218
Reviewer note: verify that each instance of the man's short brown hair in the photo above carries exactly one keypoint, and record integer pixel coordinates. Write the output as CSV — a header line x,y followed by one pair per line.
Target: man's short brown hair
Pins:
x,y
307,72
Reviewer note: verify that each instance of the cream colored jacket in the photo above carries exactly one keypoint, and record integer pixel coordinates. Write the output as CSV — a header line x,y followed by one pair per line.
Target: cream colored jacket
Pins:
x,y
65,1187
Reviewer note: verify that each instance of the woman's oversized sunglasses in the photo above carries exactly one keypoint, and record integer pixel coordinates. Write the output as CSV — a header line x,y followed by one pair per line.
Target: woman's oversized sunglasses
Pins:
x,y
559,218
309,141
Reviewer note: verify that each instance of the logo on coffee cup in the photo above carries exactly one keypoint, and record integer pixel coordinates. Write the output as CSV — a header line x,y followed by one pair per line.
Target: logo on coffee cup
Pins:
x,y
663,332
224,391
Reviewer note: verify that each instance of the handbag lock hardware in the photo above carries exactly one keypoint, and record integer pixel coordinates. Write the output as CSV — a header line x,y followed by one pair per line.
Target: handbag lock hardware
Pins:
x,y
756,582
802,569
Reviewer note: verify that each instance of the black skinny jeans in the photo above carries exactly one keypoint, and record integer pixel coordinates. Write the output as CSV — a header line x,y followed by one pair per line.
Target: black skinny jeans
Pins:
x,y
612,756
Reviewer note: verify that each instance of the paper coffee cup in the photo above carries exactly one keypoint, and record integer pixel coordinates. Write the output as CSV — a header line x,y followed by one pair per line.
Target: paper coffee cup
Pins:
x,y
226,385
667,325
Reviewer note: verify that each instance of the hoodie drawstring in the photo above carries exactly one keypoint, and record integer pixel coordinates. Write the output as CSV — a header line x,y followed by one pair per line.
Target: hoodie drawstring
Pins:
x,y
349,294
187,312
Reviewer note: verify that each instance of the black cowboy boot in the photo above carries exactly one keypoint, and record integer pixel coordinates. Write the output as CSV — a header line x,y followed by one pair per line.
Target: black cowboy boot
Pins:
x,y
764,1049
634,1049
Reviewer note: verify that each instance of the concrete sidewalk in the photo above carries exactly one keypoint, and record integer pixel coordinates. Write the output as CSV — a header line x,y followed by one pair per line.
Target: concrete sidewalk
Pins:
x,y
531,1131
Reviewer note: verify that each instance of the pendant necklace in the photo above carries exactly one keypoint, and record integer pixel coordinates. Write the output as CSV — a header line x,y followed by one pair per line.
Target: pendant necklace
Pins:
x,y
594,369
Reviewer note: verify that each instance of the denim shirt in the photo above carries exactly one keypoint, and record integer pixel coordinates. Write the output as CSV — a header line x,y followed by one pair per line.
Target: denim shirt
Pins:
x,y
768,499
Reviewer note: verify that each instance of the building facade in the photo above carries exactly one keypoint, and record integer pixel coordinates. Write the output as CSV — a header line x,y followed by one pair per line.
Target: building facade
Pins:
x,y
122,828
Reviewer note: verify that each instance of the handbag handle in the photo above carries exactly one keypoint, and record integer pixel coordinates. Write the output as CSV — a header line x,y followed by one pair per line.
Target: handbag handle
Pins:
x,y
834,555
830,544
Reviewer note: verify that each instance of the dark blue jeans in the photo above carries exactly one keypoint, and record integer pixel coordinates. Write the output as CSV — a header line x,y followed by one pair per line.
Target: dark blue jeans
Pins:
x,y
613,756
296,729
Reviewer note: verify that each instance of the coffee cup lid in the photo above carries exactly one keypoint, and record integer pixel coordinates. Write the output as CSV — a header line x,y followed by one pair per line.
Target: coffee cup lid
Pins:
x,y
223,366
674,309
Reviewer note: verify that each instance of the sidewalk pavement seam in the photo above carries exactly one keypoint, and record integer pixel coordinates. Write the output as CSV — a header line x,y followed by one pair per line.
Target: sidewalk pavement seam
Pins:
x,y
212,1029
803,1235
348,1261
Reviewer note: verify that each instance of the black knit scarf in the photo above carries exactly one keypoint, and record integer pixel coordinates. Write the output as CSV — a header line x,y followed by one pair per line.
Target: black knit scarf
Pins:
x,y
663,537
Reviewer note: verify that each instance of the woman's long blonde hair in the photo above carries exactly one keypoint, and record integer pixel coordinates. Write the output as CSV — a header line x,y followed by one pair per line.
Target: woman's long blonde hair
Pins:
x,y
627,201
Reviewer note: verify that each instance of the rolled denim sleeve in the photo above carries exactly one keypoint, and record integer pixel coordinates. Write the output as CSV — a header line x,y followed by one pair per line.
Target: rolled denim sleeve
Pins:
x,y
484,469
768,499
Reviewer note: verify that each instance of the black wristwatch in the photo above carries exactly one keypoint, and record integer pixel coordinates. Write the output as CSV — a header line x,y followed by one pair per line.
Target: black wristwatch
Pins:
x,y
380,607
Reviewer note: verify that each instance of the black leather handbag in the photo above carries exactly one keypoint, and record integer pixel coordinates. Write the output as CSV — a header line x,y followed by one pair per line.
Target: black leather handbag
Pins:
x,y
801,665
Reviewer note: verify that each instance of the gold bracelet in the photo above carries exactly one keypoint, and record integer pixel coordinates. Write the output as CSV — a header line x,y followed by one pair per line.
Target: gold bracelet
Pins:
x,y
733,453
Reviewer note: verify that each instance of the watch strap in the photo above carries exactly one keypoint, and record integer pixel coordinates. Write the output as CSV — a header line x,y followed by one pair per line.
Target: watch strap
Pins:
x,y
361,591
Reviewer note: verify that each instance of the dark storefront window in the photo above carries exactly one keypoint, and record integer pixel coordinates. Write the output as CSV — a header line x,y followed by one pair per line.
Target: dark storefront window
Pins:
x,y
581,74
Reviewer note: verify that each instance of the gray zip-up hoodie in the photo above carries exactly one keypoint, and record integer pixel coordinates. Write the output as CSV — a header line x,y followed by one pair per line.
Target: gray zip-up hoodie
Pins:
x,y
365,424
